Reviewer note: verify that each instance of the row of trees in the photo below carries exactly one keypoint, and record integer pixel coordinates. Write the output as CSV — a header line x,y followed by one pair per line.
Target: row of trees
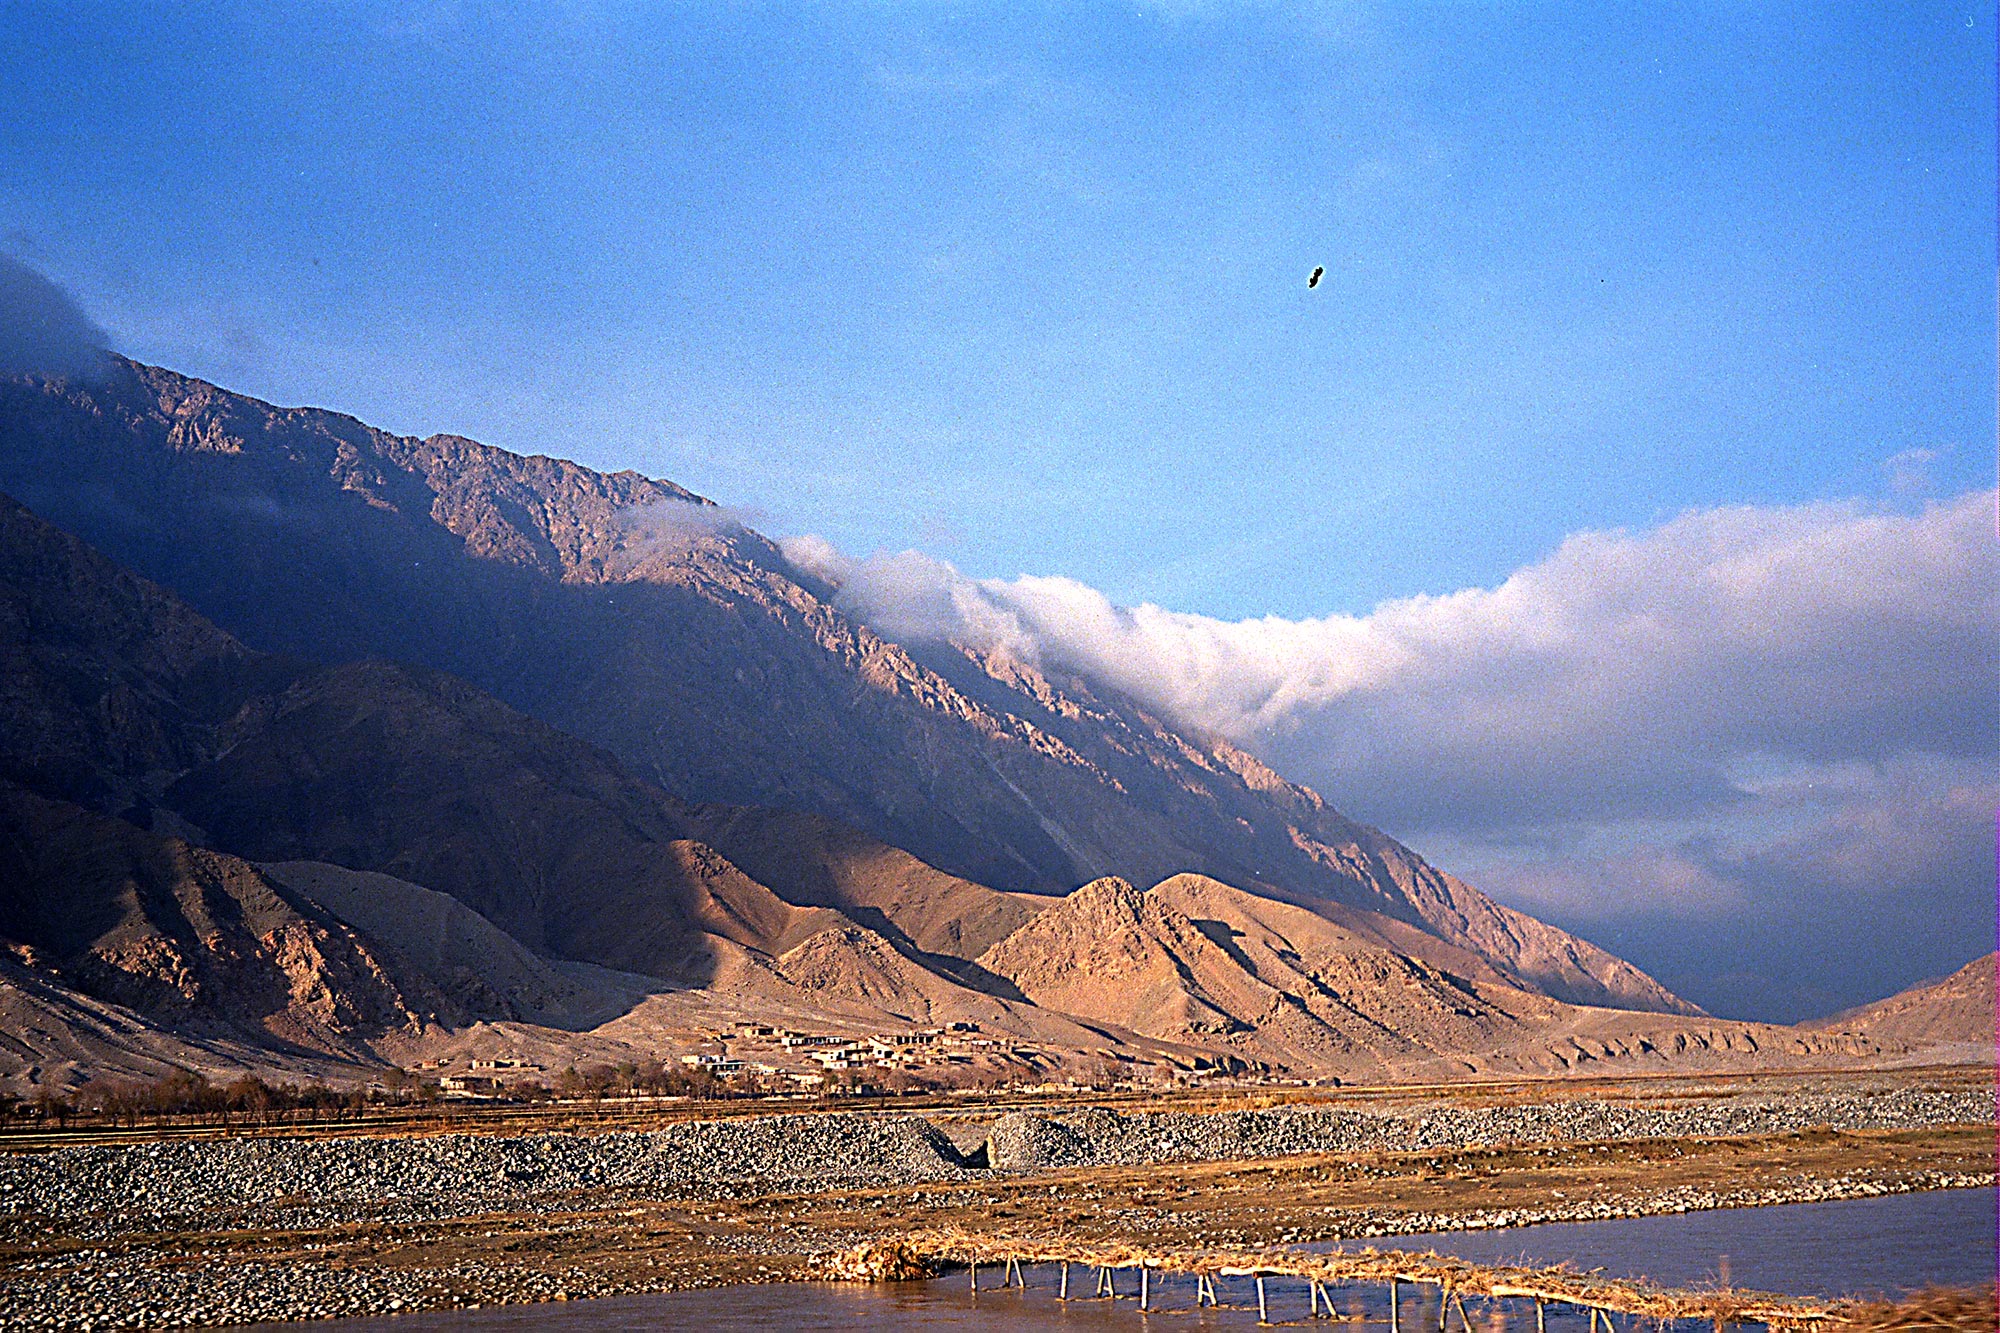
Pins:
x,y
186,1095
633,1078
249,1100
182,1094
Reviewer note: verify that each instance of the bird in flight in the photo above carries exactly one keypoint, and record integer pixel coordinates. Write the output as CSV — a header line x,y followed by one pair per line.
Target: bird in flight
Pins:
x,y
1313,281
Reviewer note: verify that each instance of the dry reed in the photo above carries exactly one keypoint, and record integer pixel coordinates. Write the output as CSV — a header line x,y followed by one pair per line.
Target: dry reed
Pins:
x,y
1946,1309
922,1254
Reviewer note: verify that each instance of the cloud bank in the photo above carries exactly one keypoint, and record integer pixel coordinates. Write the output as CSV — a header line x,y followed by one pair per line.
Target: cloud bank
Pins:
x,y
42,330
1785,712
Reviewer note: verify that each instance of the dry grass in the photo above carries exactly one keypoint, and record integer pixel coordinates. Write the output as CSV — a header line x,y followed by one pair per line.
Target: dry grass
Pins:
x,y
922,1254
1942,1308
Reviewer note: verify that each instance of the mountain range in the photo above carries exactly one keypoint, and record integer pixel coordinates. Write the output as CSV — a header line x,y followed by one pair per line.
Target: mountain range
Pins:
x,y
324,746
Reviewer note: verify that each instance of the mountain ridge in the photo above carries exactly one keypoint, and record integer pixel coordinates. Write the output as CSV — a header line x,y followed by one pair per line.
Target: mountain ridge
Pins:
x,y
1951,1015
385,766
625,612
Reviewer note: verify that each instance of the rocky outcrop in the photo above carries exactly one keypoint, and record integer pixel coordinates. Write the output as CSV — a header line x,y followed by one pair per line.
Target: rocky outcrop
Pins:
x,y
1194,960
857,965
192,939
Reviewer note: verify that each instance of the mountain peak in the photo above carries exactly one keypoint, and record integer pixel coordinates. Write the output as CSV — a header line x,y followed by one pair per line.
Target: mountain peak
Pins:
x,y
631,614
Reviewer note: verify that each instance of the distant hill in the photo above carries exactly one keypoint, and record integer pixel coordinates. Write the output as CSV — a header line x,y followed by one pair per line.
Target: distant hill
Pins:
x,y
1195,961
1949,1018
629,614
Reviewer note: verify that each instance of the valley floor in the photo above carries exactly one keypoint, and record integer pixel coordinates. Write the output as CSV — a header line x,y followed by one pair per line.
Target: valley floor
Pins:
x,y
183,1232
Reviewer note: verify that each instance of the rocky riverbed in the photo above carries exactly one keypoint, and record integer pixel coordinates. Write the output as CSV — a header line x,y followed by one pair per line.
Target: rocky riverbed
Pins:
x,y
141,1235
1096,1137
102,1191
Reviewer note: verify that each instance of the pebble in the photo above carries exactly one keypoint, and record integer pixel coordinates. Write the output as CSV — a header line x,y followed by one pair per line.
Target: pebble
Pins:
x,y
115,1197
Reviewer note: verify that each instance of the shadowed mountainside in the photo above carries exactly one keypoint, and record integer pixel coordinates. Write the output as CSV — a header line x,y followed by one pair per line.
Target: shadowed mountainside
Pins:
x,y
626,612
109,686
132,949
199,941
441,872
123,694
417,775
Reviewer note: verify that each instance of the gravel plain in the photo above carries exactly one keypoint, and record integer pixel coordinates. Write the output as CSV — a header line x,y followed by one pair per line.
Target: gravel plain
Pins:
x,y
1098,1137
106,1190
86,1219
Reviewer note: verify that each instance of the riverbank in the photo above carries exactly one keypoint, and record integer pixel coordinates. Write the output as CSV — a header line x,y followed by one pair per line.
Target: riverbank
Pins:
x,y
192,1233
1939,1243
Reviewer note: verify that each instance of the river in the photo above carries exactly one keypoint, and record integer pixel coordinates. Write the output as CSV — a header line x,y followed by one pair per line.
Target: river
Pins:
x,y
1885,1245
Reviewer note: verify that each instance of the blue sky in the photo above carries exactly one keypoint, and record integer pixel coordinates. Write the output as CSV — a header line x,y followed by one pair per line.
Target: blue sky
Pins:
x,y
1026,288
1663,329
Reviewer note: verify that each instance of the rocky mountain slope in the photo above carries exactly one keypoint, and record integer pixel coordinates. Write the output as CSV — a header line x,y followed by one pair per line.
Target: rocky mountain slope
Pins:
x,y
1194,957
1952,1017
123,696
417,775
147,940
436,866
627,613
486,972
1195,961
200,942
218,857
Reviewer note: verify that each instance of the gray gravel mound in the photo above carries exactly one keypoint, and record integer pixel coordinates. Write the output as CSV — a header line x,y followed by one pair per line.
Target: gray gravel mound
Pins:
x,y
1023,1142
105,1190
1110,1138
164,1180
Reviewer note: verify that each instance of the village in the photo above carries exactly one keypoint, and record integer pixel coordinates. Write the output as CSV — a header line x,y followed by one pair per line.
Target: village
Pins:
x,y
759,1057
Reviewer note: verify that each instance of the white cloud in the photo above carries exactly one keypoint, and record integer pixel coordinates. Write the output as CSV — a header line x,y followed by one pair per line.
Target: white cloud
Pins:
x,y
670,524
1783,714
1909,472
1627,673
